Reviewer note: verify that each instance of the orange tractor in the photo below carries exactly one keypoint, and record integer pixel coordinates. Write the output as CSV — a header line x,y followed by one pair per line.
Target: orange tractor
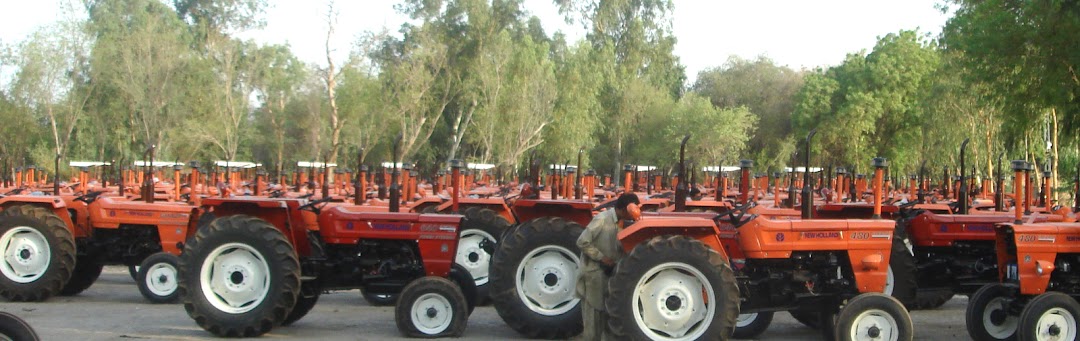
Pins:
x,y
1038,289
58,244
690,277
263,262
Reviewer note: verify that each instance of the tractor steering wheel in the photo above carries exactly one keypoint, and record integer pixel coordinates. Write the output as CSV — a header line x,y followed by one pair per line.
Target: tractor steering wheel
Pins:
x,y
737,220
313,205
89,197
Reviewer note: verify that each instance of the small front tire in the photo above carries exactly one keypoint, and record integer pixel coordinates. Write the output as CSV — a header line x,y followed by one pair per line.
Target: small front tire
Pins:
x,y
158,278
431,307
874,316
1049,317
988,316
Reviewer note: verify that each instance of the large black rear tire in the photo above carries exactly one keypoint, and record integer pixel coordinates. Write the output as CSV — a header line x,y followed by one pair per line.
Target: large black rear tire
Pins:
x,y
87,271
538,257
43,250
696,284
903,273
749,326
258,286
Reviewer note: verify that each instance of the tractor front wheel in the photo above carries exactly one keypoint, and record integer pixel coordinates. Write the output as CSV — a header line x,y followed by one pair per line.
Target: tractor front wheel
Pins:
x,y
431,307
1050,316
157,277
672,288
240,277
14,328
988,314
874,316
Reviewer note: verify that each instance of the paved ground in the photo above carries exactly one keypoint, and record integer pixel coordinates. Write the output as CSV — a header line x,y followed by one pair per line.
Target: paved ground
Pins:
x,y
113,309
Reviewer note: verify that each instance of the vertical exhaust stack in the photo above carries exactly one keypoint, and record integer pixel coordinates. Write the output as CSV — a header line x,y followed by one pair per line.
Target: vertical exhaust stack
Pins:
x,y
879,173
148,179
554,182
1046,188
455,183
628,181
1018,167
1076,195
718,194
776,189
577,175
680,186
395,189
1027,188
999,188
807,192
361,185
176,182
744,181
962,193
841,183
56,176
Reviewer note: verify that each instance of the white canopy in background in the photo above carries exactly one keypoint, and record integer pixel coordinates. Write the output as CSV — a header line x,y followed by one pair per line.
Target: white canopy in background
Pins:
x,y
237,164
720,168
315,164
88,163
803,169
141,163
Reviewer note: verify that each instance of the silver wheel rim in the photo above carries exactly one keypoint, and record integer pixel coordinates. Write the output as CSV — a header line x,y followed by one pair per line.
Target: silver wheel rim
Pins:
x,y
875,325
745,320
890,281
26,254
674,301
1007,327
235,278
472,257
546,280
431,313
161,279
1056,324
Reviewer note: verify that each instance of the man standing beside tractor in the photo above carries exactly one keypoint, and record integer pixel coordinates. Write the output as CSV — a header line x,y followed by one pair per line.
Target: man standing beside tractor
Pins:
x,y
600,249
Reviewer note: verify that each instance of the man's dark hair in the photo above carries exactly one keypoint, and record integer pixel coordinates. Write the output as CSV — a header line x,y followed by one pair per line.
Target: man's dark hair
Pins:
x,y
626,199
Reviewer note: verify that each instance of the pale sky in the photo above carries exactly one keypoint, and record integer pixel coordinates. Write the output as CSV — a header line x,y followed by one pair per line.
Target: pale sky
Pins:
x,y
796,33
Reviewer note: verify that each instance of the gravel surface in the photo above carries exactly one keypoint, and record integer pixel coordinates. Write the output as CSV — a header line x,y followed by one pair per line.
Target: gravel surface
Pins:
x,y
113,309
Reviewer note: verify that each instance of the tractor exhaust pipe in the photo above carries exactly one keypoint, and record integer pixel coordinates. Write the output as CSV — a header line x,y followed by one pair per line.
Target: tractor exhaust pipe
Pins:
x,y
148,178
455,183
56,176
361,173
744,181
962,196
879,173
1018,167
577,175
807,193
999,192
680,187
1076,194
1027,188
628,181
395,189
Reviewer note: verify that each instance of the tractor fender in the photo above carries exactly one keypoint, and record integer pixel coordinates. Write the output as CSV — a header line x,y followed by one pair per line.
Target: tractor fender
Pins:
x,y
51,203
704,230
580,212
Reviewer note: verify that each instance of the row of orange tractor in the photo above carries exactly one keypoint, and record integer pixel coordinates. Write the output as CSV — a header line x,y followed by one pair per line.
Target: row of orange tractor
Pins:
x,y
847,254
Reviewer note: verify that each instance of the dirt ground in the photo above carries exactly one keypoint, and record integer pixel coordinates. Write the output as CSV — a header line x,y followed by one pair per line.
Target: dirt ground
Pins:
x,y
113,309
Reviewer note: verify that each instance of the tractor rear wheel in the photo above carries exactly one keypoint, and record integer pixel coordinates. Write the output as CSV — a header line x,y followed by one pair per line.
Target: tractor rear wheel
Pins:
x,y
672,288
38,254
749,326
480,232
431,307
87,271
157,277
239,277
379,300
874,316
902,272
533,279
304,303
14,328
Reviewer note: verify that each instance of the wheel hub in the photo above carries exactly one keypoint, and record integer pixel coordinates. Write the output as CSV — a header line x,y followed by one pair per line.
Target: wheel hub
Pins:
x,y
471,256
235,278
1054,330
997,317
431,312
874,332
674,301
26,254
545,280
1056,324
